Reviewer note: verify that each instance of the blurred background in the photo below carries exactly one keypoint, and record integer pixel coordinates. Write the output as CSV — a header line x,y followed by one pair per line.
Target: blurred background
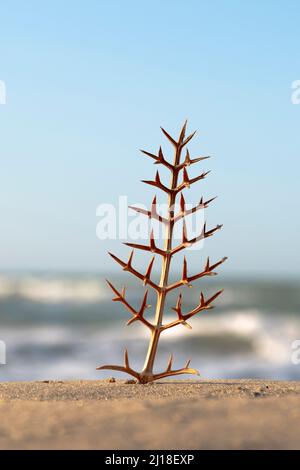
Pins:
x,y
88,84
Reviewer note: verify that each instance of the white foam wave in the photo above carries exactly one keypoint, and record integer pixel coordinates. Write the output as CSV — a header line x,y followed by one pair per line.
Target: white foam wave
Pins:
x,y
78,349
271,336
54,290
242,323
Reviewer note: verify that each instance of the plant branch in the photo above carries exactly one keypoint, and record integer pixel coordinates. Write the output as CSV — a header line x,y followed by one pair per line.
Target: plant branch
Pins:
x,y
137,314
153,214
187,243
186,212
182,318
185,279
166,253
128,267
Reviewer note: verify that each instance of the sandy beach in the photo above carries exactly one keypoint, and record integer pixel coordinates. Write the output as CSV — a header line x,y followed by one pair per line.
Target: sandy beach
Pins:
x,y
208,414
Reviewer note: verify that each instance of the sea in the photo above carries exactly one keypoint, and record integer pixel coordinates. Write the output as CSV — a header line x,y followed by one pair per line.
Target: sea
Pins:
x,y
56,326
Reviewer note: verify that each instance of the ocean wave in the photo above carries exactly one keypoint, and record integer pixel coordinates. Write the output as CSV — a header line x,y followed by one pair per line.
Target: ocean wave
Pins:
x,y
268,337
230,344
64,325
56,290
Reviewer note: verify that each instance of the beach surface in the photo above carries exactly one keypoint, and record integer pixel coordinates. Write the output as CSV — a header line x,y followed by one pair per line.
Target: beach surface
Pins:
x,y
182,414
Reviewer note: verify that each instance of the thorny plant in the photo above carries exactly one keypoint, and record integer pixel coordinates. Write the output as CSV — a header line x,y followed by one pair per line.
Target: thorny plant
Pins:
x,y
163,288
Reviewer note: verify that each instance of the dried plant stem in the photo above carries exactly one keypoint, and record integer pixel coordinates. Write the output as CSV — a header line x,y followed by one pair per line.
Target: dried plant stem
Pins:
x,y
163,287
165,270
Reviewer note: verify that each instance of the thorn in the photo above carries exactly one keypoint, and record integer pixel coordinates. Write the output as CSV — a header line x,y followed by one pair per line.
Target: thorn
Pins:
x,y
128,265
153,207
157,183
152,248
144,303
184,272
149,154
188,139
182,203
200,177
199,159
112,287
118,260
212,231
187,160
137,246
173,142
187,364
214,296
139,210
126,360
161,158
218,263
139,315
148,272
169,366
209,201
177,309
157,178
184,232
182,132
179,302
119,296
207,265
152,242
186,178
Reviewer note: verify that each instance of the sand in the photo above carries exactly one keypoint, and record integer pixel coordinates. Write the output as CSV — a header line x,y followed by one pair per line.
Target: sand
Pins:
x,y
214,414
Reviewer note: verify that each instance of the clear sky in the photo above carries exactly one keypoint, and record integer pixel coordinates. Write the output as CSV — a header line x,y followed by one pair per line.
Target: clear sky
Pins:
x,y
90,82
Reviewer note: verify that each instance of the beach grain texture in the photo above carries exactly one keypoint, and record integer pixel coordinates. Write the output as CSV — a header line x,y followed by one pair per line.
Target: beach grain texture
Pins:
x,y
208,414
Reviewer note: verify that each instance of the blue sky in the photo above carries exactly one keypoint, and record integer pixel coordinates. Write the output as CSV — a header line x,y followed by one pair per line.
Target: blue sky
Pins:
x,y
89,83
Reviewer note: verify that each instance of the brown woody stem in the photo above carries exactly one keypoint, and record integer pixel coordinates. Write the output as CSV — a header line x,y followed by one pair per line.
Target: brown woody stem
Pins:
x,y
166,261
